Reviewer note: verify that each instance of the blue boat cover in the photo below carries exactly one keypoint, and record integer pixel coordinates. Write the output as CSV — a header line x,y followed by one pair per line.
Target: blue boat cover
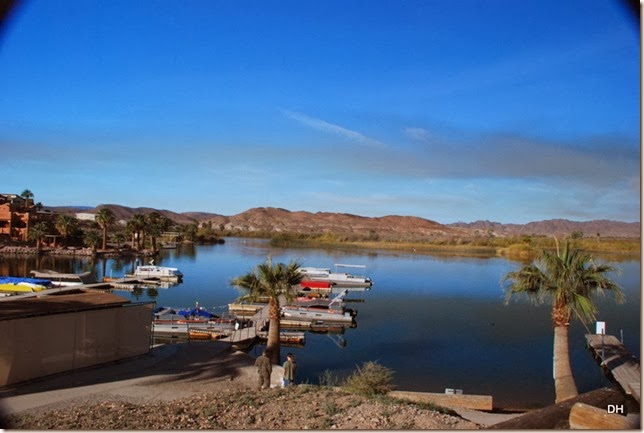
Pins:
x,y
16,280
195,312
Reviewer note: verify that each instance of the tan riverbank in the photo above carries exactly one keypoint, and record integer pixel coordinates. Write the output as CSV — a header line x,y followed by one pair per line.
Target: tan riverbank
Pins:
x,y
205,385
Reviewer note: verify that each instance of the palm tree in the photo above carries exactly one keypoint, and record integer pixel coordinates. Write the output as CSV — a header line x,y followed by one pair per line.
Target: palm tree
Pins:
x,y
569,280
155,225
27,195
92,238
272,282
36,233
105,218
65,224
137,227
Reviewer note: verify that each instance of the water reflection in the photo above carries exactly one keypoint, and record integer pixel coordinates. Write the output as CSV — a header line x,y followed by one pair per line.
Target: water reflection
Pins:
x,y
437,321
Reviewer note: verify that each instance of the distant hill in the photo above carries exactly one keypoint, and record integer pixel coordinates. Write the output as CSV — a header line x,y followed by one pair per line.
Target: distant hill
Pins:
x,y
269,219
126,213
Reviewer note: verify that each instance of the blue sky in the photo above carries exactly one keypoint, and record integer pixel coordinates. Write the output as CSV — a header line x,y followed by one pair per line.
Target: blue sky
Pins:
x,y
451,110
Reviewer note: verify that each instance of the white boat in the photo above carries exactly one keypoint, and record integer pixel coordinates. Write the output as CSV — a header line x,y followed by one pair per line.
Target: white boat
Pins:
x,y
59,279
245,309
157,272
342,279
319,310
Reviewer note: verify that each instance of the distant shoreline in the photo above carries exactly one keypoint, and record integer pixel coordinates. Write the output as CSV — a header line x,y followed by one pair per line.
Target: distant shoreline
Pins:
x,y
511,248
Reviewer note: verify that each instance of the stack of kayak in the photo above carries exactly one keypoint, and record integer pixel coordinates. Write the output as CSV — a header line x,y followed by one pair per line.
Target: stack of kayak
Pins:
x,y
22,285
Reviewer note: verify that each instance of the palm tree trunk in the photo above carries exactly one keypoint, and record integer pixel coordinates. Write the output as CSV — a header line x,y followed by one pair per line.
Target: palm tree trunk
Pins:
x,y
273,343
565,387
104,237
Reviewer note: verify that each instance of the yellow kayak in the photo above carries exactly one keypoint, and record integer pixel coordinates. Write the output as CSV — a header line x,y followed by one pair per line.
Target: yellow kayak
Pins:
x,y
21,287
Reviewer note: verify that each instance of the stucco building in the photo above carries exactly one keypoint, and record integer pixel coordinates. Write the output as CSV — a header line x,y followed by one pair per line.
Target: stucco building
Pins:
x,y
17,215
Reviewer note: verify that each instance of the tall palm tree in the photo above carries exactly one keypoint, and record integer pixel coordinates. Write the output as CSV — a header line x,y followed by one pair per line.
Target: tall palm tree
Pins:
x,y
27,195
272,282
105,218
137,227
155,225
569,280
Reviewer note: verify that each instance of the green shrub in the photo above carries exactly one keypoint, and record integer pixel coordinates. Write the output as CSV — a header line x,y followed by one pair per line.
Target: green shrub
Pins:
x,y
327,378
370,379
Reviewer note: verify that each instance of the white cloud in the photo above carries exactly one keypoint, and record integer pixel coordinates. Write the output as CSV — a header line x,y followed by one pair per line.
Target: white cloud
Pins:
x,y
418,134
324,126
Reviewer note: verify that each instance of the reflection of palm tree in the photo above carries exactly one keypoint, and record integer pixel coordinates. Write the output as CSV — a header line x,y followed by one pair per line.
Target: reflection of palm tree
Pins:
x,y
105,218
568,280
270,281
137,292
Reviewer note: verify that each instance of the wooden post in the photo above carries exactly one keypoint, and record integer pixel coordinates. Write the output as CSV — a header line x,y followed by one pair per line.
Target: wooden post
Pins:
x,y
468,401
584,416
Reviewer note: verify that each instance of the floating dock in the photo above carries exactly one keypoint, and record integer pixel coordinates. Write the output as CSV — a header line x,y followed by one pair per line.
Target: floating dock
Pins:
x,y
619,363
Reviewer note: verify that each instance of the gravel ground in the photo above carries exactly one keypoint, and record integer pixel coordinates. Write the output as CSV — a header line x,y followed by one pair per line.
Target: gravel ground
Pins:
x,y
298,407
204,386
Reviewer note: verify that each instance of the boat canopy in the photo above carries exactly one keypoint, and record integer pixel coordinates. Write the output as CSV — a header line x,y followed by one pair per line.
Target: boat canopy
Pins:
x,y
195,312
16,280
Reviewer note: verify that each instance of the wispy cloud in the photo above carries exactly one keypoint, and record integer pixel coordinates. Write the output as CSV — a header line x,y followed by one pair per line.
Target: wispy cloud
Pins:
x,y
331,128
417,134
591,161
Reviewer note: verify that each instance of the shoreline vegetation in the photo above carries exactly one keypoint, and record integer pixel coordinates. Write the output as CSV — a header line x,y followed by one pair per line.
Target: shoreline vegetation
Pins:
x,y
523,248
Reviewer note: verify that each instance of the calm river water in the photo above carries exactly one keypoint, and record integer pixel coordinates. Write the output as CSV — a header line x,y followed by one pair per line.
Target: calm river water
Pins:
x,y
437,322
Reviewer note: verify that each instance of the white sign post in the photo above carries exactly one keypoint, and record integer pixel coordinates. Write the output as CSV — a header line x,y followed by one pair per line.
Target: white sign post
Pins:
x,y
600,328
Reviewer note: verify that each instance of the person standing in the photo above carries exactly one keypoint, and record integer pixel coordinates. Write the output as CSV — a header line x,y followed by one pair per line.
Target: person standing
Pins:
x,y
264,370
289,370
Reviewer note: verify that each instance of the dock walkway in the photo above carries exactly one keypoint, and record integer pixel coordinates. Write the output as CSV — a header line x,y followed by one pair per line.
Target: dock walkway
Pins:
x,y
249,334
618,361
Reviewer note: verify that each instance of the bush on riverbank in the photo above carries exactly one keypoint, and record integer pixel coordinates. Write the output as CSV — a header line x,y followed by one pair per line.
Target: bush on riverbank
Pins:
x,y
514,247
370,379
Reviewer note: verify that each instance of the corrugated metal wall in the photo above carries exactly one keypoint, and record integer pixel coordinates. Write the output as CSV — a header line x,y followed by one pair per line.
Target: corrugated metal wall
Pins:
x,y
39,346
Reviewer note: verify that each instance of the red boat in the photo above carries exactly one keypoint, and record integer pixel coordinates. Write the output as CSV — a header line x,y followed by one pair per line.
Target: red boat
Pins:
x,y
314,284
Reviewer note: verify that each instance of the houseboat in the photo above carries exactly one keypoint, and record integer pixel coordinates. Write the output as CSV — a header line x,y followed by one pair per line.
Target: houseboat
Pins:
x,y
340,279
197,323
319,310
162,273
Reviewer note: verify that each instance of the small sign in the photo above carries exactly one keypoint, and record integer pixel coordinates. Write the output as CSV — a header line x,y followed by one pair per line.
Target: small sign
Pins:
x,y
601,328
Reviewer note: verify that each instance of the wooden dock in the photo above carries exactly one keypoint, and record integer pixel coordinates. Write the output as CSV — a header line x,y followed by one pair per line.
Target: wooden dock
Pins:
x,y
618,362
249,335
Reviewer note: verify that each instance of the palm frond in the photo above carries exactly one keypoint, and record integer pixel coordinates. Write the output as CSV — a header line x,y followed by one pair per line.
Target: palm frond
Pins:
x,y
569,279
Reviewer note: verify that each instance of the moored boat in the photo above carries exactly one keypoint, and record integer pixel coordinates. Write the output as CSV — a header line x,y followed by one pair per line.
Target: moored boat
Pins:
x,y
244,309
163,273
340,279
62,279
320,310
296,338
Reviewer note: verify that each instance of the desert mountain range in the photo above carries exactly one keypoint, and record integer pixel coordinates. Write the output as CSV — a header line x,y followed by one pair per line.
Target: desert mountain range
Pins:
x,y
269,219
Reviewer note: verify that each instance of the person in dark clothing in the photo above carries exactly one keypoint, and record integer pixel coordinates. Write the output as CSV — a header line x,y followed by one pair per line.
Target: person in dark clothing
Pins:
x,y
264,370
